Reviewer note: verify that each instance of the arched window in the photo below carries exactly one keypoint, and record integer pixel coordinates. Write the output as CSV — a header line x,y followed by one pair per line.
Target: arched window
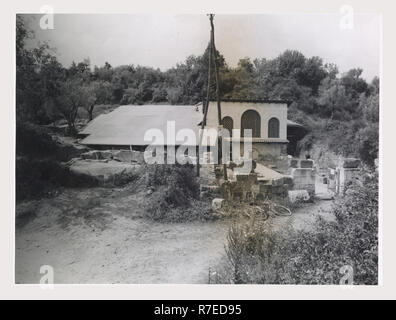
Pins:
x,y
273,128
228,124
251,120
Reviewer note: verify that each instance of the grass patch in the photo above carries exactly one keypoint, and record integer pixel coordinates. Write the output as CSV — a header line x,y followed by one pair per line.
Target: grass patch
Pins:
x,y
255,254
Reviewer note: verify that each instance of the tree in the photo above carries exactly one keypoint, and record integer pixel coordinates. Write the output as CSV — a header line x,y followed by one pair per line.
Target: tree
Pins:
x,y
104,73
331,70
80,70
98,92
73,95
290,63
38,77
334,101
312,73
368,135
374,86
353,82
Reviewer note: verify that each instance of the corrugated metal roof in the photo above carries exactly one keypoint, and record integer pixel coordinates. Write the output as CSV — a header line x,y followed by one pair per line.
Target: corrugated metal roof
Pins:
x,y
128,124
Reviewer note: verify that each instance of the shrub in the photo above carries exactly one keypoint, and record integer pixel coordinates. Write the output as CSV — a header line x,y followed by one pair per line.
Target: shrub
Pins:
x,y
368,143
36,178
34,141
255,254
175,193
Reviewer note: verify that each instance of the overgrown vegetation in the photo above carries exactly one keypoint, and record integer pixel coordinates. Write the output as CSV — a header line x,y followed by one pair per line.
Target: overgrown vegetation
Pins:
x,y
255,254
173,193
39,167
38,178
339,110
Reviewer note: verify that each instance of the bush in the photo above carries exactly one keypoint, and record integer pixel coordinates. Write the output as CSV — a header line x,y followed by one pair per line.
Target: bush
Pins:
x,y
368,144
175,193
37,178
255,254
34,141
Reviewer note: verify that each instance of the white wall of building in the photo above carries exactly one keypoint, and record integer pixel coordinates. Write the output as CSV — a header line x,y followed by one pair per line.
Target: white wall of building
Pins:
x,y
266,111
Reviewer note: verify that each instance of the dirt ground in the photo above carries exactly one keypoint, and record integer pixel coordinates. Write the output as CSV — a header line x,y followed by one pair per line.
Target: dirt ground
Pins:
x,y
107,240
102,242
305,216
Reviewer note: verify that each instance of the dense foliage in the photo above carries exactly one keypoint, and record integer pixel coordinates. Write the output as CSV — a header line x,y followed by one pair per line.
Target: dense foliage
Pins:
x,y
337,109
40,163
256,254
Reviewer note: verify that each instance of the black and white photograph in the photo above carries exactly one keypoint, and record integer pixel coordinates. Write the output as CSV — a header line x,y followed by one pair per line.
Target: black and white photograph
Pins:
x,y
197,148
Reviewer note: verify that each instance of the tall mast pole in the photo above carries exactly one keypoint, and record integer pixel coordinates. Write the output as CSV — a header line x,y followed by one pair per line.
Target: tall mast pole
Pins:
x,y
219,118
206,103
212,52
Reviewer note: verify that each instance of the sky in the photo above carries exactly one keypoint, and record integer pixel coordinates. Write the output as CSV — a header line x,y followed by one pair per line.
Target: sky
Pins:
x,y
162,41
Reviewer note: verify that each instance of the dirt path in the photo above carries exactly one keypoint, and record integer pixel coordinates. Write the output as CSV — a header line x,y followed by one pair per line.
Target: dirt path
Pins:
x,y
99,236
110,247
129,251
304,217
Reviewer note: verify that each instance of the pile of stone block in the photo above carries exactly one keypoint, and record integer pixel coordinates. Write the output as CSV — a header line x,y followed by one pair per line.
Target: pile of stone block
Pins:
x,y
217,203
248,187
298,196
275,187
243,188
97,155
209,191
304,174
128,156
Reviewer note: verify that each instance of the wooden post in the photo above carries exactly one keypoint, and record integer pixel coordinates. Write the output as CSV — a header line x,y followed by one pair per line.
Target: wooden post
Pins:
x,y
219,118
212,51
205,105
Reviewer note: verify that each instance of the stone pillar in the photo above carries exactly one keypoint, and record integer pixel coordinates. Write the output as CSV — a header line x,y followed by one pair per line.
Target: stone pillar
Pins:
x,y
349,171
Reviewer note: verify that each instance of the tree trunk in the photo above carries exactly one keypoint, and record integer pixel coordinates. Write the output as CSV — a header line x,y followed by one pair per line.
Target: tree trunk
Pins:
x,y
90,112
71,129
71,121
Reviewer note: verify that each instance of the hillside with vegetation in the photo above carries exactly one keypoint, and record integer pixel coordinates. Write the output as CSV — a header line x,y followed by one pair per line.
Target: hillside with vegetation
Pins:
x,y
341,111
